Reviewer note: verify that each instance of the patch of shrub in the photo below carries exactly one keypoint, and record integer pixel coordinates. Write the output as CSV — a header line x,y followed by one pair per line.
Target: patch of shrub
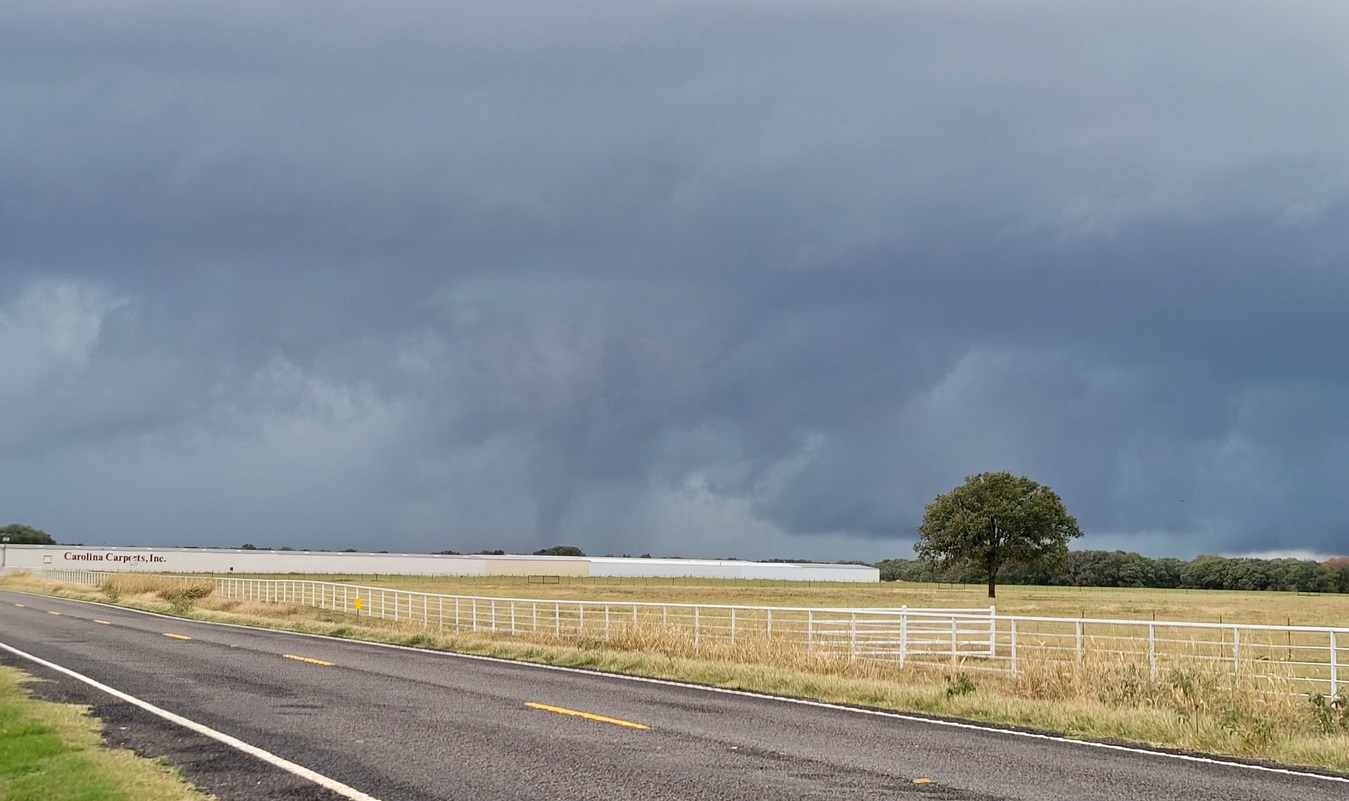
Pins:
x,y
959,684
1331,712
182,596
1130,687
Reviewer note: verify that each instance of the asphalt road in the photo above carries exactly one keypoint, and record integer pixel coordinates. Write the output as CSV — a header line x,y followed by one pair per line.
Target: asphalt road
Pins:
x,y
414,726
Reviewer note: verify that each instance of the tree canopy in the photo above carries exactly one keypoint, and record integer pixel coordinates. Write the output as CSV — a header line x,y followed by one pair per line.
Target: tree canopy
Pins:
x,y
992,520
19,534
1129,569
560,550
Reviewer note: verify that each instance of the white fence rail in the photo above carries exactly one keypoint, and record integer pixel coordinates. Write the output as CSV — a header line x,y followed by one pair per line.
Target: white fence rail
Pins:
x,y
1312,658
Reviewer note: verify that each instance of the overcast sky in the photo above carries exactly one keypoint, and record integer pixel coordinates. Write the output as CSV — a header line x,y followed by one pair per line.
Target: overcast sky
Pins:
x,y
687,277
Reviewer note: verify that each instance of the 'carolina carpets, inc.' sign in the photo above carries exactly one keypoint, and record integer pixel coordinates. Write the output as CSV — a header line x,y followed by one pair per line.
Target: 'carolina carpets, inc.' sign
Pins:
x,y
90,556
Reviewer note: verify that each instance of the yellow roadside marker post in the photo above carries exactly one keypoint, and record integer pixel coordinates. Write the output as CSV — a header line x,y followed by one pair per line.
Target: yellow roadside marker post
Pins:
x,y
358,604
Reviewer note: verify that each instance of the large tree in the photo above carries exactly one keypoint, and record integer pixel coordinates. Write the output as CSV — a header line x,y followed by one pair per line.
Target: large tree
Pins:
x,y
995,519
19,534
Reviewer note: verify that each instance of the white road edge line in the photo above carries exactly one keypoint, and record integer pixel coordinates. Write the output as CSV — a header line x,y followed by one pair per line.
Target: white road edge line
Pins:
x,y
233,742
955,724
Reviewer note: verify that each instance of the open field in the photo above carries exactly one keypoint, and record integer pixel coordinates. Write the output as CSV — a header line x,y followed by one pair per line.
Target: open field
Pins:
x,y
1307,660
1197,606
1187,707
51,752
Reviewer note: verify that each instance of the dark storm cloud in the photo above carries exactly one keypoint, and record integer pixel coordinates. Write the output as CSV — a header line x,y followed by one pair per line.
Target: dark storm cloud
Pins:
x,y
710,278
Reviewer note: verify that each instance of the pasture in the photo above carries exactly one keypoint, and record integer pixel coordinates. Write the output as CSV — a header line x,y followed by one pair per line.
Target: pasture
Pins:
x,y
1195,606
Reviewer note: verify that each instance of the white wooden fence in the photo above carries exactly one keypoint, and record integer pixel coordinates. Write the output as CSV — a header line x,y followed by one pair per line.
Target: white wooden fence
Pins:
x,y
1307,658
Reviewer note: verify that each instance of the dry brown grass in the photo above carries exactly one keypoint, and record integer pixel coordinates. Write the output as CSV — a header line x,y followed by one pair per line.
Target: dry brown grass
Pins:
x,y
180,593
150,584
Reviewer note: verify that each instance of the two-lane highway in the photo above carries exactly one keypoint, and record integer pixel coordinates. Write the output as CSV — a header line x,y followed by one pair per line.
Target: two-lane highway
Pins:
x,y
403,725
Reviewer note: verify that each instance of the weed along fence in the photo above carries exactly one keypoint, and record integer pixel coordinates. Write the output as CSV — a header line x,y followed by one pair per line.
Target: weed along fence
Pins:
x,y
1306,659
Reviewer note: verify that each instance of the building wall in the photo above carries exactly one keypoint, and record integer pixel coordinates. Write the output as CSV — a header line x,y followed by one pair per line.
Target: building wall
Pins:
x,y
194,560
539,566
201,560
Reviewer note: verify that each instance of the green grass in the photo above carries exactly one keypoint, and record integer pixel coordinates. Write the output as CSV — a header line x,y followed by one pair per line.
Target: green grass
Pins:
x,y
51,752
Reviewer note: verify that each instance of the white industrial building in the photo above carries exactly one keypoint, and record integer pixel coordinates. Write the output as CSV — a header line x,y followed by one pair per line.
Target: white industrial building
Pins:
x,y
222,560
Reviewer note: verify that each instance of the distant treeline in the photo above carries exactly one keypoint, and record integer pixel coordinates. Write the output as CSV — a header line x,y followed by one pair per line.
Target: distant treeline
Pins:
x,y
1126,569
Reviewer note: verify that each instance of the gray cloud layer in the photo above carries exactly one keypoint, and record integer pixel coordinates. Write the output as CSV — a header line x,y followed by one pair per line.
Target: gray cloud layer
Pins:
x,y
711,278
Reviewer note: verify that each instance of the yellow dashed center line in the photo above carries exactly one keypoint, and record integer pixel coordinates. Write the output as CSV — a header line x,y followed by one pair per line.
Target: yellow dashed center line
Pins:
x,y
102,622
922,781
177,636
21,606
307,659
50,612
574,713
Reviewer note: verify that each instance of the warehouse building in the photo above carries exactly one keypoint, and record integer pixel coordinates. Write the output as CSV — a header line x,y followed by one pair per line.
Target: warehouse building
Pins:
x,y
213,560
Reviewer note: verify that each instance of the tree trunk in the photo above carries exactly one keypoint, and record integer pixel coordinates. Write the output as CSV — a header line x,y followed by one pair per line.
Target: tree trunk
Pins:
x,y
992,584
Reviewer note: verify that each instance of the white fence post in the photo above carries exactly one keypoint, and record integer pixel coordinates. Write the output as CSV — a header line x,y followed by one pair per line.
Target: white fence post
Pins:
x,y
992,631
1077,649
1236,649
1013,646
852,638
1152,650
903,634
1334,665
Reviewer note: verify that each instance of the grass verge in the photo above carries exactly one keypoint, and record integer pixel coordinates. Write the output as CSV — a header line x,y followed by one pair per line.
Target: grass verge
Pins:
x,y
51,752
1210,712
